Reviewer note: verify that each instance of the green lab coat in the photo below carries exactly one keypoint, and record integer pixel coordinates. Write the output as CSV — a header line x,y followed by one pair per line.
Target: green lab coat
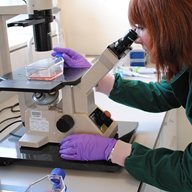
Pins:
x,y
164,168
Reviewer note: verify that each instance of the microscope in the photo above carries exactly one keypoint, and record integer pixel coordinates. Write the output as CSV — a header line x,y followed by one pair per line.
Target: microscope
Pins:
x,y
49,118
52,110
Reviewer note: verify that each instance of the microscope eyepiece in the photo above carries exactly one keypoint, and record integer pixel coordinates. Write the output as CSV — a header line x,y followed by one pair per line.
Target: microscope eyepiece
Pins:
x,y
129,38
120,46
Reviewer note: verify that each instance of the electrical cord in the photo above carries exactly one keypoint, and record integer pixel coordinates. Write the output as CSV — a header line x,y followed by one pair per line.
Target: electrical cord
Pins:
x,y
8,161
10,118
9,125
13,110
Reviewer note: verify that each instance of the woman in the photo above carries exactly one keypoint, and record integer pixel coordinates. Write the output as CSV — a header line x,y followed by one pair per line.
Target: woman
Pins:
x,y
164,29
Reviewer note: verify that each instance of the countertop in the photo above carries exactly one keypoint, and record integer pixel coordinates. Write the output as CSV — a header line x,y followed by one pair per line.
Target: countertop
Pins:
x,y
92,181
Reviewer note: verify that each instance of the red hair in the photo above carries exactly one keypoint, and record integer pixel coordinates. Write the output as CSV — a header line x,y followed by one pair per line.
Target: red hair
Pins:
x,y
169,23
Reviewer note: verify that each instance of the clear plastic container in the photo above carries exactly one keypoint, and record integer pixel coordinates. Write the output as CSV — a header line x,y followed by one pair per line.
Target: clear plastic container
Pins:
x,y
45,69
50,183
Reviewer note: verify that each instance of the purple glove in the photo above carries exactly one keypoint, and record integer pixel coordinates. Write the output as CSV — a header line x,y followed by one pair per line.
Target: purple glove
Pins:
x,y
71,58
86,147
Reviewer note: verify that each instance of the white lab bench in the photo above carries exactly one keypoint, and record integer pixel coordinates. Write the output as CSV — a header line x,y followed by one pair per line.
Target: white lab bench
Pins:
x,y
91,181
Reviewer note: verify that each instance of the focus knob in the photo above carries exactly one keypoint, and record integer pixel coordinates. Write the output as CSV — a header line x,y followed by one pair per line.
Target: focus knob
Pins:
x,y
106,118
65,123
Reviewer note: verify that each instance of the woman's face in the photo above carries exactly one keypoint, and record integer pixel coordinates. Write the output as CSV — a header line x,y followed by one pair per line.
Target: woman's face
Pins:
x,y
144,40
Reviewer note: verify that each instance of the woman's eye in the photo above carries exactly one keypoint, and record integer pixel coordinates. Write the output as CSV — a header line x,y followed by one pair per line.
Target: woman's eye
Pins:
x,y
140,28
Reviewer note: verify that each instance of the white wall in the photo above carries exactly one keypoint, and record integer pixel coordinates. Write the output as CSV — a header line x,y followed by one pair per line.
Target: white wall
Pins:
x,y
90,25
11,2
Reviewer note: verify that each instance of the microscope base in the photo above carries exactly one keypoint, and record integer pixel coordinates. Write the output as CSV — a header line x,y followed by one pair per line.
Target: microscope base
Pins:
x,y
48,155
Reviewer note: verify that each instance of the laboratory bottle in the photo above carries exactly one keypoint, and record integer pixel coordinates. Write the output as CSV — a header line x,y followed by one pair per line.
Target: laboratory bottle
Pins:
x,y
57,177
54,182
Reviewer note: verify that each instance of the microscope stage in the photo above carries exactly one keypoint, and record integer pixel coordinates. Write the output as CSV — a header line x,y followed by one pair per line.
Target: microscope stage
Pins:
x,y
17,81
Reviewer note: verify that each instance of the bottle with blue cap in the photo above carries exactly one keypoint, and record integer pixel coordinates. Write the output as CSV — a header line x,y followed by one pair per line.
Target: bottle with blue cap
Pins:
x,y
57,178
54,182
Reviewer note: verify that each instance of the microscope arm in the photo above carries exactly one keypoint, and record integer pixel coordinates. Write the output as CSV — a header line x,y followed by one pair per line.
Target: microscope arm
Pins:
x,y
99,69
83,92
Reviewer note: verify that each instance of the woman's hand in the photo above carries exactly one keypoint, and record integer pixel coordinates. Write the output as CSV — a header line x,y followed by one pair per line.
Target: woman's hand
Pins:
x,y
71,58
86,147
